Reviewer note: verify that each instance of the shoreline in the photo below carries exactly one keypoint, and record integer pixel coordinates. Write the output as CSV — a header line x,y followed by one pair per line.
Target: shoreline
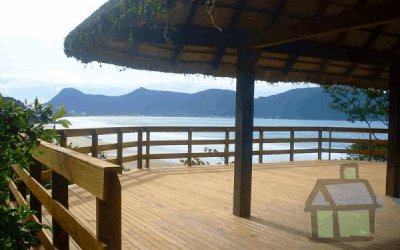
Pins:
x,y
85,142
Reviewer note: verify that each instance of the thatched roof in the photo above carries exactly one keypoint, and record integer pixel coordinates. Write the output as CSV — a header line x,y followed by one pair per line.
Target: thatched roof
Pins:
x,y
350,42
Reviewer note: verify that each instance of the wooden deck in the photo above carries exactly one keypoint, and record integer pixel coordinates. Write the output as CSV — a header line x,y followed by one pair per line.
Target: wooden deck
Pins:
x,y
191,208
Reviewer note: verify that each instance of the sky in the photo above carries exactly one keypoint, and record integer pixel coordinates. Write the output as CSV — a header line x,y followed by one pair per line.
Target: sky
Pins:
x,y
33,63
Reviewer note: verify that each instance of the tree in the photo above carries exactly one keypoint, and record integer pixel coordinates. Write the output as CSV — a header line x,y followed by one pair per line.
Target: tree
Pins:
x,y
20,129
365,105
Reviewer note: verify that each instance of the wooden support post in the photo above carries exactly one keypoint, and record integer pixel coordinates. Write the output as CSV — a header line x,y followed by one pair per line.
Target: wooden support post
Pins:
x,y
319,143
139,151
147,148
226,149
370,145
244,114
190,147
60,194
36,173
21,186
63,141
393,163
95,143
119,149
260,147
108,214
330,137
291,143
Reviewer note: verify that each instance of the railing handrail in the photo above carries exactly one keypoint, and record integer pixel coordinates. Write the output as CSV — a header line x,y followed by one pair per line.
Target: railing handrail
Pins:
x,y
189,142
64,165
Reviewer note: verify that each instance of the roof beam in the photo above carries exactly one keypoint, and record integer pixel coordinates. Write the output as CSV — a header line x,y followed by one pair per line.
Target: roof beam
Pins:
x,y
325,63
189,21
382,68
353,19
293,58
240,8
370,41
230,39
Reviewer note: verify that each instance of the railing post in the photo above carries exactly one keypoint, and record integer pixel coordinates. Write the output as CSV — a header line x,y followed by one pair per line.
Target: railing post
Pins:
x,y
190,147
330,137
22,188
63,141
147,148
291,143
226,149
60,193
108,213
319,143
370,145
260,147
139,151
119,149
36,173
95,143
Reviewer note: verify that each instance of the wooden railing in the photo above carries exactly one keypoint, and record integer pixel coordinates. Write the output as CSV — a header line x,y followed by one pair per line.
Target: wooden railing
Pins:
x,y
95,148
95,176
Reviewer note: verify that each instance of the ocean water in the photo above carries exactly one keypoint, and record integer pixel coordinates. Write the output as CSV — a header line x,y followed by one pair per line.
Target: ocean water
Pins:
x,y
127,121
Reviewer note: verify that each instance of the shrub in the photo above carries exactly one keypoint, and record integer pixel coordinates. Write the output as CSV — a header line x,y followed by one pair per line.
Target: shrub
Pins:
x,y
20,129
363,157
197,161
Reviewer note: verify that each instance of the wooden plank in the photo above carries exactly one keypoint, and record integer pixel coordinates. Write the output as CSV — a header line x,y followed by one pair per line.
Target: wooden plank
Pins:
x,y
83,170
393,162
357,151
291,144
147,147
119,149
349,20
260,147
108,216
379,142
35,204
44,240
189,163
63,141
319,143
244,114
45,175
84,238
59,190
95,143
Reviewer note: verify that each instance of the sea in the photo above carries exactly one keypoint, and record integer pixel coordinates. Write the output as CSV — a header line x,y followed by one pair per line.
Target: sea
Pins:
x,y
127,121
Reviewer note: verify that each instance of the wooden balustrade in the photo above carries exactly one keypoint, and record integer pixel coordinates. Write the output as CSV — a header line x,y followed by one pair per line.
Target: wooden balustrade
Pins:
x,y
226,142
95,176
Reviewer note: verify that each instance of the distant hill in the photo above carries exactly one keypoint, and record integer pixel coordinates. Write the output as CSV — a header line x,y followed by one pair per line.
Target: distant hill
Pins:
x,y
18,103
302,103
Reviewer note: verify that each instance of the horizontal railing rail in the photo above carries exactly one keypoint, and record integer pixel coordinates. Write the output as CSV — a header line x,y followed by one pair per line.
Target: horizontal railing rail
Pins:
x,y
95,176
120,131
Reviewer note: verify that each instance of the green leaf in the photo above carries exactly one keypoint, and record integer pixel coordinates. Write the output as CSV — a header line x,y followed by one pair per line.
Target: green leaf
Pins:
x,y
59,114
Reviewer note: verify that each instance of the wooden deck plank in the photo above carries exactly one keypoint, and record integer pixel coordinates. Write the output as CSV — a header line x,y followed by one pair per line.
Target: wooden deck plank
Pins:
x,y
191,207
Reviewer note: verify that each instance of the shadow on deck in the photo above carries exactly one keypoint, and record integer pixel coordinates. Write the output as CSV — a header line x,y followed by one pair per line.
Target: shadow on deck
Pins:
x,y
191,208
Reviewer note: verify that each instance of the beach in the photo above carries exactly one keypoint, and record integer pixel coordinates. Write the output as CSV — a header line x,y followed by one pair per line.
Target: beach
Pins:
x,y
85,142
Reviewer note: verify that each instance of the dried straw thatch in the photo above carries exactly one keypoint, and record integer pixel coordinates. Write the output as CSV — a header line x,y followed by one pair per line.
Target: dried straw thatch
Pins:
x,y
200,44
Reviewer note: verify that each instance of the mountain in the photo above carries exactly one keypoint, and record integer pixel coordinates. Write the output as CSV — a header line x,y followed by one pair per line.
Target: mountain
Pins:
x,y
18,103
302,103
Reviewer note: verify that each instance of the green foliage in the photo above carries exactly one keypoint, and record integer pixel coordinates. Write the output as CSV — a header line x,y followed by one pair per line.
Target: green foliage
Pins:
x,y
15,231
197,161
364,146
20,129
365,105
